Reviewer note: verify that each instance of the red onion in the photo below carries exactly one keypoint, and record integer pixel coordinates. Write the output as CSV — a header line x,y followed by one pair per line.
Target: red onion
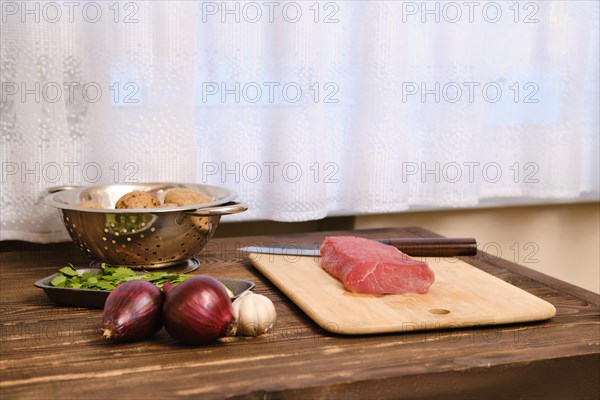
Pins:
x,y
197,311
132,311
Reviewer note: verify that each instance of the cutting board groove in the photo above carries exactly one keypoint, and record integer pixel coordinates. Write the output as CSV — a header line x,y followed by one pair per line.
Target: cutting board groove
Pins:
x,y
461,296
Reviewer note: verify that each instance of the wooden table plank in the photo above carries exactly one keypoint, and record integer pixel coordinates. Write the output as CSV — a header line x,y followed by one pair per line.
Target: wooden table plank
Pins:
x,y
57,352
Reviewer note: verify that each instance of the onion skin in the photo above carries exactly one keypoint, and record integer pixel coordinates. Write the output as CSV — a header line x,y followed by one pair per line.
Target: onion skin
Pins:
x,y
197,311
133,311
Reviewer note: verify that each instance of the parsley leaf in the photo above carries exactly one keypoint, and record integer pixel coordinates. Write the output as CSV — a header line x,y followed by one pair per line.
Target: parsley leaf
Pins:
x,y
68,270
59,280
109,277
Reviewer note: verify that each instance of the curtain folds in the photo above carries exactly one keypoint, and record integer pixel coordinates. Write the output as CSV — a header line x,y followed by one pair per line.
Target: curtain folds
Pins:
x,y
305,109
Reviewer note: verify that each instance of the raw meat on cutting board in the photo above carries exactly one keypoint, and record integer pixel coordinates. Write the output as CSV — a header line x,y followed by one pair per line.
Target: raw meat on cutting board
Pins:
x,y
368,266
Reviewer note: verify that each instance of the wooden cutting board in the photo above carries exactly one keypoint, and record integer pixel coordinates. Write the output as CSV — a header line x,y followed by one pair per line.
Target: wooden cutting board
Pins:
x,y
461,296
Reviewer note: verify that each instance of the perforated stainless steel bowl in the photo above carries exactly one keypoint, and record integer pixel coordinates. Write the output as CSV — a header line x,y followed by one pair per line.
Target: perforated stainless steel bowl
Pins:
x,y
141,238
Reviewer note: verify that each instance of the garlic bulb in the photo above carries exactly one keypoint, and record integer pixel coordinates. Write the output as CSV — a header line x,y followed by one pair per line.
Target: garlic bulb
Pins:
x,y
254,313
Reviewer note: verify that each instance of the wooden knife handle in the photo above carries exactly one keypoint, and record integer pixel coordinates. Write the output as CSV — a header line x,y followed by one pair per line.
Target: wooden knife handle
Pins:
x,y
434,247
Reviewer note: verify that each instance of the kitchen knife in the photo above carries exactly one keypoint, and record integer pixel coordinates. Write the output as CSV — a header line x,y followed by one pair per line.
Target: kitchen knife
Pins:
x,y
415,247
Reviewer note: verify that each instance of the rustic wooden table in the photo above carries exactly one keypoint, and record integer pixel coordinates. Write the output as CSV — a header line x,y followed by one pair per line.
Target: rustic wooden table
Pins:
x,y
52,352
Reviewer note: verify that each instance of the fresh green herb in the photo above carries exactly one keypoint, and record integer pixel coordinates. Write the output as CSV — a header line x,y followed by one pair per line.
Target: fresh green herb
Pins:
x,y
68,271
109,277
59,280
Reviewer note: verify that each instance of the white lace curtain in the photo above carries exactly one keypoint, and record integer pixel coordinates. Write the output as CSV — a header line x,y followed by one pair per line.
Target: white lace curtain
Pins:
x,y
305,109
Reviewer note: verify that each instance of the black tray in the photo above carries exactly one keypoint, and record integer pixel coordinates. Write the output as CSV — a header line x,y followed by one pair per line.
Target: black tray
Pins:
x,y
95,298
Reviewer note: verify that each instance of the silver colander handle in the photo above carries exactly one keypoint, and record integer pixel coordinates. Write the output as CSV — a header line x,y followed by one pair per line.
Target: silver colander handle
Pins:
x,y
54,189
233,207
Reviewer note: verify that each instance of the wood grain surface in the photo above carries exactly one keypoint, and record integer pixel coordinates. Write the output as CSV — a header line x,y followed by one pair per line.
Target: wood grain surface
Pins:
x,y
51,352
461,296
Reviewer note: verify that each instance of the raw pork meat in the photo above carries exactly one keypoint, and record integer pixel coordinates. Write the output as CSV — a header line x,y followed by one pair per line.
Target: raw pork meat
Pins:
x,y
367,266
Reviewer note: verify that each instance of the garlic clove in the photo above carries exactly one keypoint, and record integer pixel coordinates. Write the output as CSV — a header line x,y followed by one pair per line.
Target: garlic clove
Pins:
x,y
255,314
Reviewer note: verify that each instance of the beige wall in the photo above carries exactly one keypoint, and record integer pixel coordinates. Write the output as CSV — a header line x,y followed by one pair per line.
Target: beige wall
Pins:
x,y
558,240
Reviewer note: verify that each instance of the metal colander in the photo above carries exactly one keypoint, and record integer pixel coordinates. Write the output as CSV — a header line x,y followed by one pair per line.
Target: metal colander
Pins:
x,y
141,238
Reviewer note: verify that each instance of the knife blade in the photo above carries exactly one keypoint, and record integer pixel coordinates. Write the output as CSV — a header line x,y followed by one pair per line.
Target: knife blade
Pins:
x,y
415,247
